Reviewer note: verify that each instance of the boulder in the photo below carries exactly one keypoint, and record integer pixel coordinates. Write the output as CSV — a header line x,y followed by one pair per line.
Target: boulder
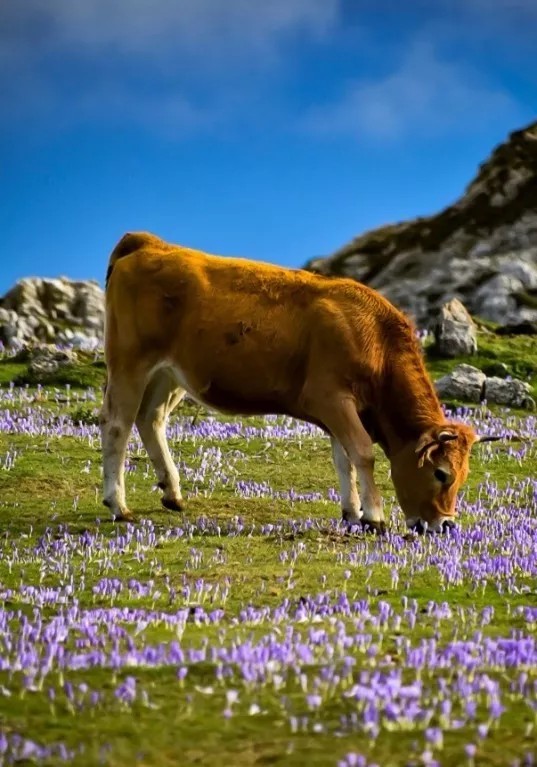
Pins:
x,y
511,392
464,383
455,332
11,331
469,384
45,361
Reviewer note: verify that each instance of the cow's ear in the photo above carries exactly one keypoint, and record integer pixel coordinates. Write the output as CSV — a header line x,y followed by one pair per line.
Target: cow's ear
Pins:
x,y
430,440
425,446
426,440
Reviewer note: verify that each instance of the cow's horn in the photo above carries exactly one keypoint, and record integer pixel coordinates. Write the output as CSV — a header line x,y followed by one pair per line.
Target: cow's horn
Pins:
x,y
446,436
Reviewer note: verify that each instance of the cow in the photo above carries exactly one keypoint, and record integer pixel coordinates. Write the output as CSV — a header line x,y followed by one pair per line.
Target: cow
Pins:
x,y
244,337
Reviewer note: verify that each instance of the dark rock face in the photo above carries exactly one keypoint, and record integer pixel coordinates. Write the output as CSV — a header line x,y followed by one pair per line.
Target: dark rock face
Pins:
x,y
518,329
481,250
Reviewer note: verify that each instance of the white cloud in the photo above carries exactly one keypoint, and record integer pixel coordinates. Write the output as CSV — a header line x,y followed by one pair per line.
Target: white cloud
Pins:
x,y
179,66
152,26
135,55
425,95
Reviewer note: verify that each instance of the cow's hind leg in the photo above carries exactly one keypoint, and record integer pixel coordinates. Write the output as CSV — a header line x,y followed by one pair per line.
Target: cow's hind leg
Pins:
x,y
161,396
346,471
123,395
342,421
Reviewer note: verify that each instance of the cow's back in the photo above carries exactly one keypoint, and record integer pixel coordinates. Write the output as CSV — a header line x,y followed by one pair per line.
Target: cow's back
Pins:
x,y
244,334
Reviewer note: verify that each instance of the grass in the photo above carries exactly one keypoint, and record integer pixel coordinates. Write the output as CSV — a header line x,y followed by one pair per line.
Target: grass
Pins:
x,y
234,576
518,354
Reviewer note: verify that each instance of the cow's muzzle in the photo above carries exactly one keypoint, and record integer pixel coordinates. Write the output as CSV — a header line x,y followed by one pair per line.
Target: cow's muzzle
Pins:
x,y
420,526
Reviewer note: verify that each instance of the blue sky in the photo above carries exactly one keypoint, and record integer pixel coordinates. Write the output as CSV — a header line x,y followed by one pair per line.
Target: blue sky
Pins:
x,y
273,130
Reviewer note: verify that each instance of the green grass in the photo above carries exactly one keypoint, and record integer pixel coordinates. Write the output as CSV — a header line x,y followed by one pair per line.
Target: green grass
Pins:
x,y
87,371
518,353
10,371
52,494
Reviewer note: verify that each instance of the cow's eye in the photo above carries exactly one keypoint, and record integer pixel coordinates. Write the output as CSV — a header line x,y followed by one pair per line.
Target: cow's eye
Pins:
x,y
441,475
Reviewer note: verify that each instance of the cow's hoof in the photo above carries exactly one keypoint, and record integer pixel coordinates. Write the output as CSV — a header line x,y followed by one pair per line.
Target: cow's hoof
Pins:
x,y
418,527
369,526
123,515
350,518
172,504
444,527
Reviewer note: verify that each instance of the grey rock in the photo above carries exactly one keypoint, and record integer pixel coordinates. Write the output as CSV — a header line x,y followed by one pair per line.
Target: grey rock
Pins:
x,y
469,384
45,331
57,297
511,392
45,361
523,271
44,310
454,331
464,383
10,331
23,298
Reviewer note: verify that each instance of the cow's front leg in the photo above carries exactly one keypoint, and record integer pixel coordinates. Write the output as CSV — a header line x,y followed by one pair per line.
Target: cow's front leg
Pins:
x,y
372,507
346,472
345,426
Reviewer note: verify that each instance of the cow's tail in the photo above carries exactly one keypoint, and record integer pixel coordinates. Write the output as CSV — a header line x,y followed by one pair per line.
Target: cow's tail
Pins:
x,y
128,244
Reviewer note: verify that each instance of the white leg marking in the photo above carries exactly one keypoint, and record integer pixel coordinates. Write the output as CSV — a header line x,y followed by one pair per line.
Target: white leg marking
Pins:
x,y
372,502
161,397
350,499
116,424
342,421
363,458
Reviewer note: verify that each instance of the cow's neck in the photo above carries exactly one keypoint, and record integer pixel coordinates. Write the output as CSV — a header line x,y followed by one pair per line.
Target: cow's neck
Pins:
x,y
409,405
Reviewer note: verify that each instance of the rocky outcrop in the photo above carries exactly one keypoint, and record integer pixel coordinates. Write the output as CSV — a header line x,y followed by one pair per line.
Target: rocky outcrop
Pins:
x,y
469,384
465,383
52,311
508,391
481,250
454,330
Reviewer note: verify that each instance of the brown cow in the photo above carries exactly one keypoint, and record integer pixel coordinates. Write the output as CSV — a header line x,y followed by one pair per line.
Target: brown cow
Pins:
x,y
245,337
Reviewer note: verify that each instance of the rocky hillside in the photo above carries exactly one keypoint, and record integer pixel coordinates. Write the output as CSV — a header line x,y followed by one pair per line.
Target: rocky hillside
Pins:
x,y
52,311
482,249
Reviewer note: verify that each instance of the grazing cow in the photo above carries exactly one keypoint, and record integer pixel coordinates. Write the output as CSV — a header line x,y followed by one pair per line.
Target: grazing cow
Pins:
x,y
247,338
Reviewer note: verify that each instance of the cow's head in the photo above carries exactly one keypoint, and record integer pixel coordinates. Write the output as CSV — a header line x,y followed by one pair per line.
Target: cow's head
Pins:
x,y
428,474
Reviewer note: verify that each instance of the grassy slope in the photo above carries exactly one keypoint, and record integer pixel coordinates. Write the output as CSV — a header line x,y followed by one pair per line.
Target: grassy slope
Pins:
x,y
55,483
519,353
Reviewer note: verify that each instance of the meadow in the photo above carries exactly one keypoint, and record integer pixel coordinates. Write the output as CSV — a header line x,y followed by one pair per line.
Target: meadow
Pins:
x,y
253,629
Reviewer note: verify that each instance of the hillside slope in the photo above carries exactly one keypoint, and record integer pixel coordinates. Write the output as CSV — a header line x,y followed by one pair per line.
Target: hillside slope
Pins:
x,y
482,249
